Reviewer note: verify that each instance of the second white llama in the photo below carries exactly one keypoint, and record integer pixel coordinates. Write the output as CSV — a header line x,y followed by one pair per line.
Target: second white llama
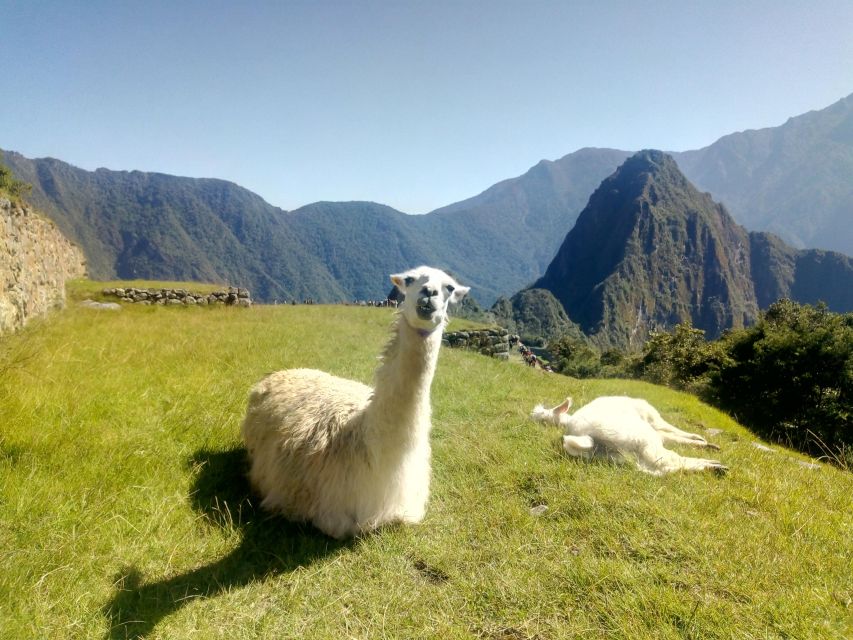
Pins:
x,y
618,427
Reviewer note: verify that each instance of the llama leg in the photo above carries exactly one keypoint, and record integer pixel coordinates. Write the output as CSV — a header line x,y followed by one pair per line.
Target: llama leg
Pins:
x,y
579,446
691,439
671,433
703,464
658,460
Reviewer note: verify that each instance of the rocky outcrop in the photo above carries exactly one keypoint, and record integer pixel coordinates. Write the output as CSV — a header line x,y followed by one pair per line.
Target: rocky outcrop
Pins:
x,y
35,262
535,313
490,342
230,296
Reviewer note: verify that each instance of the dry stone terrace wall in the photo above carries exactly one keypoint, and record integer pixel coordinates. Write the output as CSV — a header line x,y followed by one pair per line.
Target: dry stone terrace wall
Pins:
x,y
490,342
231,296
35,262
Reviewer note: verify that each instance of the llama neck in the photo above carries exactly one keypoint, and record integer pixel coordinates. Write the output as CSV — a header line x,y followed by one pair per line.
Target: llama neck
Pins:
x,y
402,382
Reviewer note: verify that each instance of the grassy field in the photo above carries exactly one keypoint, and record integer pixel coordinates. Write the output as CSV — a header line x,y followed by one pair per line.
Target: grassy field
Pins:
x,y
124,512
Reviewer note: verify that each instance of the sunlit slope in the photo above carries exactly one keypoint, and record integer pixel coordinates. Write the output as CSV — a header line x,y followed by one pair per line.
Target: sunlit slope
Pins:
x,y
124,511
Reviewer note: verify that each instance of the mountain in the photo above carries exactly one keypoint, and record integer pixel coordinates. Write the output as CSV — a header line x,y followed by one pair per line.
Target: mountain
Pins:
x,y
154,226
533,212
650,250
793,180
149,225
807,276
360,244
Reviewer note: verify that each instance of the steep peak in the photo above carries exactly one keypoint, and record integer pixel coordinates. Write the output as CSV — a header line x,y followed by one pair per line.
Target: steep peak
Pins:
x,y
650,164
647,183
652,158
650,250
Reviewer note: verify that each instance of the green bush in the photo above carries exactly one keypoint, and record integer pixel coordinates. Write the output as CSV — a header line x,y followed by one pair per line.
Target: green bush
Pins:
x,y
681,359
575,357
790,378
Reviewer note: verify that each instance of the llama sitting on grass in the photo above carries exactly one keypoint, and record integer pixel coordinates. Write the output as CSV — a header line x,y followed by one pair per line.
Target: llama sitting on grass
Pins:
x,y
339,454
616,427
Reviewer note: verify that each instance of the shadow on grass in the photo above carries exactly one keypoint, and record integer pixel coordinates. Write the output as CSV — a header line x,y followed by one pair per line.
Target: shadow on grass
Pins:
x,y
270,546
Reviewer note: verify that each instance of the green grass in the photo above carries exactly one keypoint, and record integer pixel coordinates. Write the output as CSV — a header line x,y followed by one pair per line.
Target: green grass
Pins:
x,y
124,511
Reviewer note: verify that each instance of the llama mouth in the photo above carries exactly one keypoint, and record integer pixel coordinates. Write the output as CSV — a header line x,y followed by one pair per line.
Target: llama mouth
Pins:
x,y
425,312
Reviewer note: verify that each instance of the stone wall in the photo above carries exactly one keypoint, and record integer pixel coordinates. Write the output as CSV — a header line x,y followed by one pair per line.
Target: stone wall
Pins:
x,y
490,342
35,262
230,296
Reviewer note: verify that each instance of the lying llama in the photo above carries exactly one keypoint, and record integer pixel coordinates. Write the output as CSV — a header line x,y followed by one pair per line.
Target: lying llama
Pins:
x,y
339,454
616,426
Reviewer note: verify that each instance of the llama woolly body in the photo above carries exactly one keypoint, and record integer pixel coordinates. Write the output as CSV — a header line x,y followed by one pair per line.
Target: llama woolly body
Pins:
x,y
619,427
344,456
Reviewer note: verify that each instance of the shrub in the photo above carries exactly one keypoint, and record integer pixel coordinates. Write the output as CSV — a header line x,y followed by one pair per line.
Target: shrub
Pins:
x,y
790,377
682,359
574,357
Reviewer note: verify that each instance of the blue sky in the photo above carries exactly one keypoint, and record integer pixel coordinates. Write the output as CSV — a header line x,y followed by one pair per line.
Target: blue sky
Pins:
x,y
412,104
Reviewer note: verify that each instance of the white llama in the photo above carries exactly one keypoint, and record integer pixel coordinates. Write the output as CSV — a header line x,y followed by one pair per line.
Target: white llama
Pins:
x,y
616,427
339,454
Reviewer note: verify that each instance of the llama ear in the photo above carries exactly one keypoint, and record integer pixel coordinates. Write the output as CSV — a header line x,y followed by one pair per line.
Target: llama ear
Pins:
x,y
563,408
399,280
458,294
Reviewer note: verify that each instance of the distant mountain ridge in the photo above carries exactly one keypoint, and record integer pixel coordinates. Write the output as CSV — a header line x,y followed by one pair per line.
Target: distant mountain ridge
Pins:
x,y
156,226
793,179
650,251
149,225
535,314
537,209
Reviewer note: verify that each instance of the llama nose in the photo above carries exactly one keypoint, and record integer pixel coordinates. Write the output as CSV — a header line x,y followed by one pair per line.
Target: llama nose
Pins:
x,y
429,292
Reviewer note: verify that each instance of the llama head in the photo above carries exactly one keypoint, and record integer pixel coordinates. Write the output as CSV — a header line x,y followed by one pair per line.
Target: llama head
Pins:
x,y
428,292
555,415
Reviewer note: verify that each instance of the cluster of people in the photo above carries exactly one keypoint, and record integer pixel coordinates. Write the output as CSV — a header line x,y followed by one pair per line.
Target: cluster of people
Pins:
x,y
530,358
294,302
387,302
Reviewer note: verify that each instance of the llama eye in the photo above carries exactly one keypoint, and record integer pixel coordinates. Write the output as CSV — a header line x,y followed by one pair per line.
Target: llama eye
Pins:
x,y
450,288
409,280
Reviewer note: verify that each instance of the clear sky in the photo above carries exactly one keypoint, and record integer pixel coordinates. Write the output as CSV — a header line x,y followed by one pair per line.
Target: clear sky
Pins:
x,y
412,104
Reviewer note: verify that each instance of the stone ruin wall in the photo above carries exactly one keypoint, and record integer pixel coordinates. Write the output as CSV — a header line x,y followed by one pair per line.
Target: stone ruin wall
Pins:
x,y
490,342
35,262
231,296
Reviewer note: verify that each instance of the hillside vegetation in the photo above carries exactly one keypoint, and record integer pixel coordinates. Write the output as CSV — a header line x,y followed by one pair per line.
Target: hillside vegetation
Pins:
x,y
11,186
124,512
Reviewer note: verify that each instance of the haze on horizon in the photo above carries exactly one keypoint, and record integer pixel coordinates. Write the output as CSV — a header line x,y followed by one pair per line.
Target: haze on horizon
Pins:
x,y
414,105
